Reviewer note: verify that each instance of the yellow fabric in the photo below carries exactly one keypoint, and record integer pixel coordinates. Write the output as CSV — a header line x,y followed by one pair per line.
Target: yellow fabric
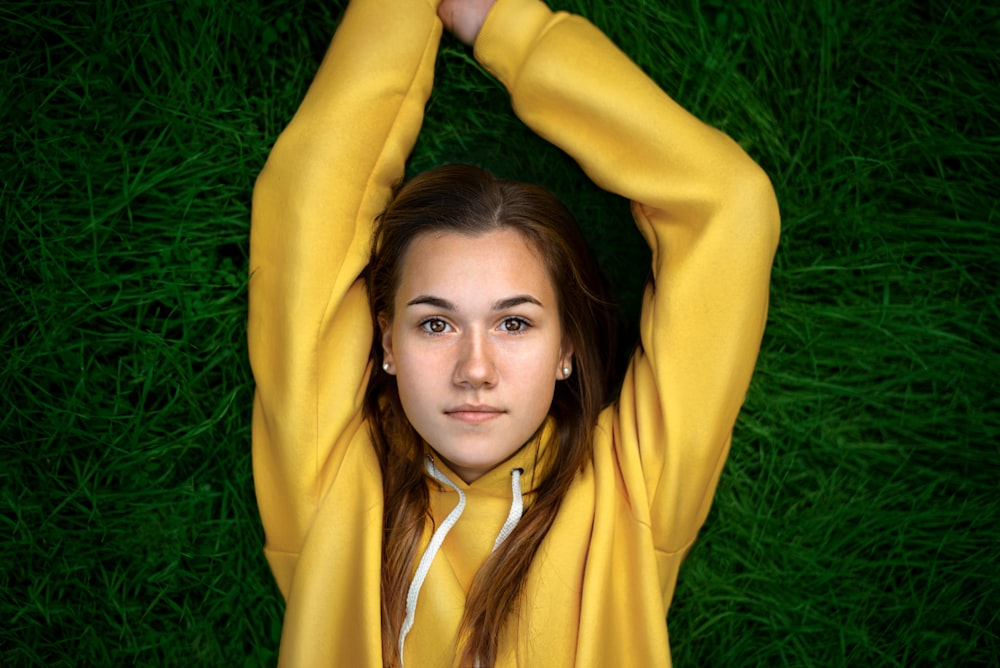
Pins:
x,y
599,588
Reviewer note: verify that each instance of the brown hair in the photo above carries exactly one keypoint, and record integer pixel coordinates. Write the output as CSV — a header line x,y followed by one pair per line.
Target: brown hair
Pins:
x,y
470,200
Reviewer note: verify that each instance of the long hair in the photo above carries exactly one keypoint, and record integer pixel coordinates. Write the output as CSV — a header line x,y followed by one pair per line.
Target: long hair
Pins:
x,y
472,201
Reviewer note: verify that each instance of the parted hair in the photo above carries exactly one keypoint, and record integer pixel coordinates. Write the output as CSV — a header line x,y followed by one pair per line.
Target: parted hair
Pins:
x,y
469,200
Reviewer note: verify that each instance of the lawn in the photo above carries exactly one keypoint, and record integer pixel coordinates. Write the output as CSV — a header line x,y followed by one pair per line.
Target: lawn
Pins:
x,y
858,520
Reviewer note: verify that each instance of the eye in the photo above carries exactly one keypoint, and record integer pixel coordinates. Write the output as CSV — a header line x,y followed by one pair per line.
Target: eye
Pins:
x,y
514,325
434,326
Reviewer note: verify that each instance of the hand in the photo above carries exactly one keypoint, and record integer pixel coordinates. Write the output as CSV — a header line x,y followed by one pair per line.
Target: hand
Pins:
x,y
464,18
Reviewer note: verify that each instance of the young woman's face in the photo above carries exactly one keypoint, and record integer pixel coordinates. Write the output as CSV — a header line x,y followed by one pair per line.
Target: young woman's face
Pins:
x,y
476,345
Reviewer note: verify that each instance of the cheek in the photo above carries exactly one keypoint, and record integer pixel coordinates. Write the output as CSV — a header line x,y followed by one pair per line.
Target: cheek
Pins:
x,y
415,356
418,383
422,374
533,374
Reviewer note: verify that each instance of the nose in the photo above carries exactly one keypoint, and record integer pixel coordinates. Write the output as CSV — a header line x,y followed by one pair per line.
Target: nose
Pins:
x,y
476,366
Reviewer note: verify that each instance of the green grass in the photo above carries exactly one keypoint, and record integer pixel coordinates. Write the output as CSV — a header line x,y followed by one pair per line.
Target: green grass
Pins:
x,y
857,523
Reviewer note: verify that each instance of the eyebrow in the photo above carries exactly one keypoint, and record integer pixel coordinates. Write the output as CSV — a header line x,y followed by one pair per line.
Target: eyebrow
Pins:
x,y
500,305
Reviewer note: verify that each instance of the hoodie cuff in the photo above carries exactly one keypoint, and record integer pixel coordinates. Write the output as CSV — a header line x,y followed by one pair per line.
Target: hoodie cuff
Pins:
x,y
508,35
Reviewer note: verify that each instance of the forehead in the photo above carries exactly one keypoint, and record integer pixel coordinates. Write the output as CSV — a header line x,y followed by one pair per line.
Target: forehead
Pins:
x,y
494,265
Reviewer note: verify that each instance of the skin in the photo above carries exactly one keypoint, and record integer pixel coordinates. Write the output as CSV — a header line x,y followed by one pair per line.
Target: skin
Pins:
x,y
464,18
476,344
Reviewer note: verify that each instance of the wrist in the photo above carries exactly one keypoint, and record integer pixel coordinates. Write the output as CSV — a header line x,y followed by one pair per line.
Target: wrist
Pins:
x,y
464,18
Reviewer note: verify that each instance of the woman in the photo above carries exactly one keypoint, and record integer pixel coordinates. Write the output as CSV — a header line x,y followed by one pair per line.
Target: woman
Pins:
x,y
437,480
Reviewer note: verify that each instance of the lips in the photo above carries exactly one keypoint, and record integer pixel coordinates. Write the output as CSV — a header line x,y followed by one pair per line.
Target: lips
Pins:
x,y
474,413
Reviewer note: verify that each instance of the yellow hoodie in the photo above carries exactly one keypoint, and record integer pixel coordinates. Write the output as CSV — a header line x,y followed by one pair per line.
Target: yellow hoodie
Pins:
x,y
602,581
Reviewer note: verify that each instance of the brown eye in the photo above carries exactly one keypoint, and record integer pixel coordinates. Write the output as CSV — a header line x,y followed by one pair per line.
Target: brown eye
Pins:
x,y
514,325
435,325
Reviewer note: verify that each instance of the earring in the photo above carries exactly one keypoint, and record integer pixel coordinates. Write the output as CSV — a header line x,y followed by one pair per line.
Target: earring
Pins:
x,y
566,371
385,367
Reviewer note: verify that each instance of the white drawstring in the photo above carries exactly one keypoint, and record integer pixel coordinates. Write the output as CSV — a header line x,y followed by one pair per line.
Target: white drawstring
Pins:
x,y
429,553
516,508
437,539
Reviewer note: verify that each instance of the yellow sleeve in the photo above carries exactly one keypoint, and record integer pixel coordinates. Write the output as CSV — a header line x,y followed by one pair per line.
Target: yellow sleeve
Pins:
x,y
708,213
329,174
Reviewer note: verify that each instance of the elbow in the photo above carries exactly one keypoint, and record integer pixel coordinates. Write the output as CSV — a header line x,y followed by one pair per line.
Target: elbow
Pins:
x,y
269,179
264,201
262,185
267,185
288,163
753,193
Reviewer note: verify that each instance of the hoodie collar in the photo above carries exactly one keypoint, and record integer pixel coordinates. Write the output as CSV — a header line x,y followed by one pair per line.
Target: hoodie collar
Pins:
x,y
533,458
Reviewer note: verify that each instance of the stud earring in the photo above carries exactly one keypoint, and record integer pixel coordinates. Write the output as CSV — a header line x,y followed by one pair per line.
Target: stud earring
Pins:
x,y
566,371
385,367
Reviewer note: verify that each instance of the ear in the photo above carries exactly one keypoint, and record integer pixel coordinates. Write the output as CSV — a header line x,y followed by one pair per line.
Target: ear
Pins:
x,y
565,359
388,361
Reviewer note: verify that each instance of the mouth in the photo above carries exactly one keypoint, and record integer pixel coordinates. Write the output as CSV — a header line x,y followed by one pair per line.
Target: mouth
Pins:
x,y
474,413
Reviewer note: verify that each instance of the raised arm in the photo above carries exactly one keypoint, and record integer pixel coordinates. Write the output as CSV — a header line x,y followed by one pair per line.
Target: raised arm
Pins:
x,y
329,174
709,215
